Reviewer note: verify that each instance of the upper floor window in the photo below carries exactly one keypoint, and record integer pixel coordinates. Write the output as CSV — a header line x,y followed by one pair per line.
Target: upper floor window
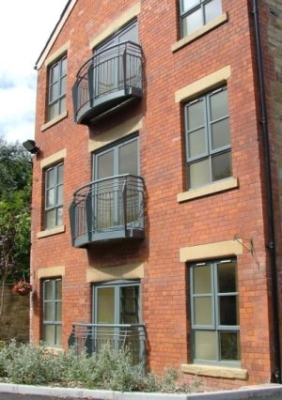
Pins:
x,y
215,312
112,68
54,196
52,312
208,149
115,193
57,88
196,13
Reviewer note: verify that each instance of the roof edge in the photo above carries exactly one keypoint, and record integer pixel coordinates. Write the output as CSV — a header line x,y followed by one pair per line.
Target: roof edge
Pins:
x,y
54,34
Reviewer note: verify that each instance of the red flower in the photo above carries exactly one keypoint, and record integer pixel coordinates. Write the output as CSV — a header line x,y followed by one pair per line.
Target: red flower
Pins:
x,y
22,287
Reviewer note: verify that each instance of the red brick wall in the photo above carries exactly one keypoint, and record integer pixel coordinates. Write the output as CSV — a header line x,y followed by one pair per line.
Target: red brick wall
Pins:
x,y
169,225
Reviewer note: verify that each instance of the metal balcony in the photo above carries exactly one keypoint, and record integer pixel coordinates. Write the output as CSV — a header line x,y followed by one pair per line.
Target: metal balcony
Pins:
x,y
106,80
108,209
92,337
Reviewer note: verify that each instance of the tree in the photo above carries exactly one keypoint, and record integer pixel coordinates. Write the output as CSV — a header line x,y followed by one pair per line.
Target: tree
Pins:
x,y
15,199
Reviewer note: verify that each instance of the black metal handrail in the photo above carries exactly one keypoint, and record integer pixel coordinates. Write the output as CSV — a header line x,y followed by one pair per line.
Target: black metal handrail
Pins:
x,y
107,205
92,337
118,67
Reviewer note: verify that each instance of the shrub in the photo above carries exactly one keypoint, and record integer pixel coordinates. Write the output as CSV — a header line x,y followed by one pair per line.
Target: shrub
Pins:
x,y
108,369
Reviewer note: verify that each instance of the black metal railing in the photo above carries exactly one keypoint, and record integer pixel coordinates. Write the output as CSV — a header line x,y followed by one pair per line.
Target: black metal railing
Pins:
x,y
92,337
107,209
108,78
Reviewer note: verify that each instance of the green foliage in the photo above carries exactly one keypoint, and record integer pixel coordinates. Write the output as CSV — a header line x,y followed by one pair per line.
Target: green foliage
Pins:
x,y
108,369
15,199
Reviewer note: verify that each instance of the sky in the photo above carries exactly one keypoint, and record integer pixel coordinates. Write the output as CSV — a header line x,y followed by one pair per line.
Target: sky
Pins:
x,y
25,26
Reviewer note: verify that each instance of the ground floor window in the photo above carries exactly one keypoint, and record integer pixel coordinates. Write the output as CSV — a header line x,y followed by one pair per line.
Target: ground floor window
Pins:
x,y
52,312
117,303
215,312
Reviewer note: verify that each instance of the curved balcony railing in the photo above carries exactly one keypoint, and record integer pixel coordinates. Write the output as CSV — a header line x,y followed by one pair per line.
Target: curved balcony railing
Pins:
x,y
110,208
107,79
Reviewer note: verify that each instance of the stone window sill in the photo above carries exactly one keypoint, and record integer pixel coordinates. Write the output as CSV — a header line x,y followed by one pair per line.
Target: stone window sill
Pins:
x,y
199,32
54,121
51,232
215,371
219,186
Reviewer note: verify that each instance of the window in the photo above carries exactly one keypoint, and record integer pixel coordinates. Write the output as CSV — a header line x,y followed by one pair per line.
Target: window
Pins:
x,y
109,166
54,196
117,303
52,312
57,88
196,13
208,150
110,62
215,312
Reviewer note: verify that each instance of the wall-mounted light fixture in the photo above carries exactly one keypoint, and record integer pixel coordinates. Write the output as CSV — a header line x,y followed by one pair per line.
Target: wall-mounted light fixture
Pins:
x,y
31,147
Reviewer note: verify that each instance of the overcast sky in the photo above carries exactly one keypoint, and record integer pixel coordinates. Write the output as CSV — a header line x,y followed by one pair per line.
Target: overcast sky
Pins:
x,y
25,26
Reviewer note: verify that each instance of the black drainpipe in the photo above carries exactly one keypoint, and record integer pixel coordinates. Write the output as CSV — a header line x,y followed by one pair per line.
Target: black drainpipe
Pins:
x,y
276,374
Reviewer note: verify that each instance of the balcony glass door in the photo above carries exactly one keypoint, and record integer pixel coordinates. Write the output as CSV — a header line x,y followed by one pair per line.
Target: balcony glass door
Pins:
x,y
108,66
116,303
115,198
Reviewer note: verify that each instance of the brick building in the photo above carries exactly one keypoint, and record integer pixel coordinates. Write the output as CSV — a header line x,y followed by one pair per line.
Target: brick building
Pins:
x,y
157,185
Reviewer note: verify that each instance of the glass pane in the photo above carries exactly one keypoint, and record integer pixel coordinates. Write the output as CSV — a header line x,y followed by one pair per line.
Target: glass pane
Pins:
x,y
219,105
48,311
188,4
105,72
58,289
60,195
62,105
50,178
53,110
58,335
192,22
105,165
228,307
229,346
203,310
195,115
60,216
54,73
64,66
212,10
105,210
50,201
50,219
128,158
60,173
48,293
205,346
199,173
49,334
202,279
196,143
59,311
221,166
54,92
63,86
220,134
106,305
131,33
227,281
129,307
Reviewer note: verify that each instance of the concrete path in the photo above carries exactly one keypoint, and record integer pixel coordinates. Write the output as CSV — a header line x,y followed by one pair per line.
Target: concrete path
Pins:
x,y
26,392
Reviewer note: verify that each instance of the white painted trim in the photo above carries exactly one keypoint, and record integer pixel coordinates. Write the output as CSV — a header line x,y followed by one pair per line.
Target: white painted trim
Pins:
x,y
54,35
